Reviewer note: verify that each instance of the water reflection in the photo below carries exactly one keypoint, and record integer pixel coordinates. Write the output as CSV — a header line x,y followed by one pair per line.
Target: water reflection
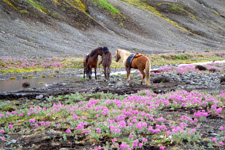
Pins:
x,y
14,85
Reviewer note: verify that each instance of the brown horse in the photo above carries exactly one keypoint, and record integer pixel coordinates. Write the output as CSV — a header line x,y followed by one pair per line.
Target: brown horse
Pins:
x,y
106,62
139,61
90,61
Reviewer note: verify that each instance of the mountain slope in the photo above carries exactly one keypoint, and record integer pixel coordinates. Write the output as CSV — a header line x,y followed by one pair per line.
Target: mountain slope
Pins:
x,y
75,27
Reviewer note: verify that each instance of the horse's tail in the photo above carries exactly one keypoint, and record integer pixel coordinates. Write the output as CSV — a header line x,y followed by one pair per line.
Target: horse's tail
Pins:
x,y
147,72
87,68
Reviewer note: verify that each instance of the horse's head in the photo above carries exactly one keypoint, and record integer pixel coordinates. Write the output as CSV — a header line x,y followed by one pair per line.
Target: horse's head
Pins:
x,y
118,55
100,51
105,50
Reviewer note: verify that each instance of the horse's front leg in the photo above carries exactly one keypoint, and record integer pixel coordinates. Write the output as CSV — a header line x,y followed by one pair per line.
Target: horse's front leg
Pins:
x,y
128,74
84,73
96,73
105,72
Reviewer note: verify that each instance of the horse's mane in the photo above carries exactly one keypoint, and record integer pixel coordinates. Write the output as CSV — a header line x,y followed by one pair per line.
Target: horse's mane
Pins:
x,y
123,50
106,59
94,51
123,54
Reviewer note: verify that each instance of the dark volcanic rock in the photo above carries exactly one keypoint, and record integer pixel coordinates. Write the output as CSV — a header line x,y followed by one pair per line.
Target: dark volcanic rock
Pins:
x,y
222,79
26,84
161,80
200,67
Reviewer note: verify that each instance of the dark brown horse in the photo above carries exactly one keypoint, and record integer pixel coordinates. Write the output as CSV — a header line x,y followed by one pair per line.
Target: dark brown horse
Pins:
x,y
106,62
90,61
139,61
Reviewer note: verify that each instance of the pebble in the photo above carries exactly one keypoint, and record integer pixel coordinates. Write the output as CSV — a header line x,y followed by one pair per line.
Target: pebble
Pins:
x,y
213,134
10,142
39,97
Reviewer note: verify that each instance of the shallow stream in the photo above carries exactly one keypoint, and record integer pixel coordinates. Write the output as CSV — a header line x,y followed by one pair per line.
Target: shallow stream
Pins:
x,y
17,84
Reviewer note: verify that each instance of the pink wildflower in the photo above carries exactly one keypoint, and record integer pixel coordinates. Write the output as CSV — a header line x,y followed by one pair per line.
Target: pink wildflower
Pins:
x,y
82,117
193,130
213,139
168,132
98,130
36,125
32,120
10,126
48,123
68,131
86,131
130,124
135,141
131,136
221,128
161,148
117,130
2,131
114,140
144,140
124,146
42,123
221,143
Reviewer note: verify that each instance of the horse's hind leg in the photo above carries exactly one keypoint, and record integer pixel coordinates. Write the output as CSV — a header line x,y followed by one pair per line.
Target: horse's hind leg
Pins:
x,y
108,73
105,72
89,72
84,70
143,75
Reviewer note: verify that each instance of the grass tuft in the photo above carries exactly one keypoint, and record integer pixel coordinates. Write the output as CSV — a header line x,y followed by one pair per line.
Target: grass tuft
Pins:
x,y
105,5
38,5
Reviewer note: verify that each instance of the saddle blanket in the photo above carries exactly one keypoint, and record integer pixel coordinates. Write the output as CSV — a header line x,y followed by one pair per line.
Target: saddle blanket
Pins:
x,y
131,57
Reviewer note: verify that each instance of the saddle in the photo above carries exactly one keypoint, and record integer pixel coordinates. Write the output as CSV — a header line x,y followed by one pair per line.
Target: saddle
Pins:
x,y
131,57
138,55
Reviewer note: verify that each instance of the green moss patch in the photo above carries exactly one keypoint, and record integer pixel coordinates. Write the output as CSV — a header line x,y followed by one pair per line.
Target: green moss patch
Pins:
x,y
105,5
38,5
